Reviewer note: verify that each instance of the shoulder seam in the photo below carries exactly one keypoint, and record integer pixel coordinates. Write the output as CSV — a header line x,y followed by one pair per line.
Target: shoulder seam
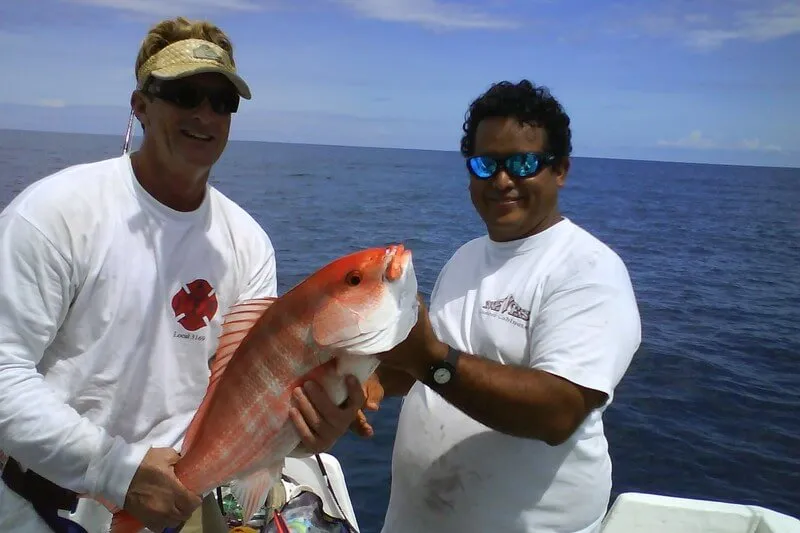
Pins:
x,y
44,235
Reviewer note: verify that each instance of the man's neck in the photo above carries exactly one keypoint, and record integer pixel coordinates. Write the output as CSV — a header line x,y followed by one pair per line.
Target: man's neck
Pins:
x,y
178,191
553,218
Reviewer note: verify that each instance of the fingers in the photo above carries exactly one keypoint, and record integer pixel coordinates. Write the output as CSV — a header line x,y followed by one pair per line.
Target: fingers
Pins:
x,y
185,501
373,390
361,426
156,496
171,456
321,403
364,427
306,420
306,399
356,396
161,513
307,436
320,422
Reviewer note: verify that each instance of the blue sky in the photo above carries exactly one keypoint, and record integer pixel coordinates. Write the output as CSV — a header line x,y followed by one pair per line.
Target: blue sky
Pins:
x,y
690,80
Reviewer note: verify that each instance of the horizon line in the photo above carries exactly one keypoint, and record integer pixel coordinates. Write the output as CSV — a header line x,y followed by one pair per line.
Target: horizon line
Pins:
x,y
572,156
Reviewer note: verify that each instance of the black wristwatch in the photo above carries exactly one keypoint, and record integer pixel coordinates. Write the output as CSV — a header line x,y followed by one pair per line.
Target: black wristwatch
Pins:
x,y
443,372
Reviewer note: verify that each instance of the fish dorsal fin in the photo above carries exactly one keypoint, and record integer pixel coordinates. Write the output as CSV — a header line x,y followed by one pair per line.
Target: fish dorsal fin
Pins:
x,y
237,323
252,491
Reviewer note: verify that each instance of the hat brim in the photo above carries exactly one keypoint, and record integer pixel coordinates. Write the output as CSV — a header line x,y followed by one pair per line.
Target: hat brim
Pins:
x,y
174,72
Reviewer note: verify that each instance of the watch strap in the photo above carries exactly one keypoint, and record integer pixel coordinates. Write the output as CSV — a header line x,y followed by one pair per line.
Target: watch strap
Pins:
x,y
452,357
449,363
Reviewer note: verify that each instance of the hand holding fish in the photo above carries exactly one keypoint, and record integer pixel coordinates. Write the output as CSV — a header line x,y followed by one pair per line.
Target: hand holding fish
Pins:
x,y
155,495
400,368
419,350
329,328
321,422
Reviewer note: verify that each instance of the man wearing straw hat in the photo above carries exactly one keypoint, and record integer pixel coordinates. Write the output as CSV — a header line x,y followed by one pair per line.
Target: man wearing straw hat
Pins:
x,y
115,277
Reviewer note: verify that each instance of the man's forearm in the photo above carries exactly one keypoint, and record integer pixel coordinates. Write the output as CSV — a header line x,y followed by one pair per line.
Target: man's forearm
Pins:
x,y
49,437
518,401
394,382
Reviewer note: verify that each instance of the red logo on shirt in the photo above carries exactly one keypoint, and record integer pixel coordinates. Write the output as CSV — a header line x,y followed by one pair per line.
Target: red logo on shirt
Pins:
x,y
195,304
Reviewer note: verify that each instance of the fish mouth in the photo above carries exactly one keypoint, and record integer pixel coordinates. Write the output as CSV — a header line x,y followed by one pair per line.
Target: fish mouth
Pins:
x,y
396,262
401,279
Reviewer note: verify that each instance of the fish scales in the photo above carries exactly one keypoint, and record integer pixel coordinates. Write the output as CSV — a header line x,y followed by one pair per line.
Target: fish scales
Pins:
x,y
337,320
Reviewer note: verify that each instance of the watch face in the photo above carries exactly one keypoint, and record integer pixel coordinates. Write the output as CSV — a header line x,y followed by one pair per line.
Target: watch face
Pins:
x,y
441,376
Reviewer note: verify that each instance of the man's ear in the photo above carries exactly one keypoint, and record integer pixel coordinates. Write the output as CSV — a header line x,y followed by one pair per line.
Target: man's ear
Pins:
x,y
561,169
139,105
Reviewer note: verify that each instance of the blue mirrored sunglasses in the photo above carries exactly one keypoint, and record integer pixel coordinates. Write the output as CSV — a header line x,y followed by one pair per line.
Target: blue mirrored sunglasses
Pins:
x,y
522,165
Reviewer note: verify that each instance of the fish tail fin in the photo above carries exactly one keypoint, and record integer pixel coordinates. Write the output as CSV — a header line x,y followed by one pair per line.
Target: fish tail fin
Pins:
x,y
123,522
252,491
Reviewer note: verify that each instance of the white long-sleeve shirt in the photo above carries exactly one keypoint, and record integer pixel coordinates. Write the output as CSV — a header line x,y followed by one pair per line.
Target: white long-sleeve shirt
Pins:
x,y
110,307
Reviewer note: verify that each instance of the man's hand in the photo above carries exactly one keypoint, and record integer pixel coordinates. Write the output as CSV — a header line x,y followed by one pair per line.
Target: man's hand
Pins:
x,y
321,422
155,496
373,391
419,350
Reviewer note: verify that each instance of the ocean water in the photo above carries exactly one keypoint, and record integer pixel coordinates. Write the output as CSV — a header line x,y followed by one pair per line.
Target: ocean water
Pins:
x,y
709,407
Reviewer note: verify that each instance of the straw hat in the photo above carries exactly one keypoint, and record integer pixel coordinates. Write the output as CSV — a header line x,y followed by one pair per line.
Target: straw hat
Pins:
x,y
188,57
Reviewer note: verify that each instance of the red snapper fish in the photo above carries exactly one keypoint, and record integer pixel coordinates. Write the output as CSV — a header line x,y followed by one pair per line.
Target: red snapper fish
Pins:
x,y
332,324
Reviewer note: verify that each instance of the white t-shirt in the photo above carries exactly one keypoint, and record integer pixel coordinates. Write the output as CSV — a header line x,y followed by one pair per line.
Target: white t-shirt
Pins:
x,y
110,308
560,301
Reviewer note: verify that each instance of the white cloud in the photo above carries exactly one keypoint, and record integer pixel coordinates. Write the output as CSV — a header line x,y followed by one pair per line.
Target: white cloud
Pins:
x,y
434,14
173,7
428,13
696,140
709,25
756,144
759,24
51,102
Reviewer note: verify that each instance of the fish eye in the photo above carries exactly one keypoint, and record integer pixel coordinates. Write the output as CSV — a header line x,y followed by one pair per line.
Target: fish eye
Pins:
x,y
353,278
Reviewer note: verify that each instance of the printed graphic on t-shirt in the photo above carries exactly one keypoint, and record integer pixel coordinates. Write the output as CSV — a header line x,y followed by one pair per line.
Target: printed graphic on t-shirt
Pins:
x,y
195,304
506,309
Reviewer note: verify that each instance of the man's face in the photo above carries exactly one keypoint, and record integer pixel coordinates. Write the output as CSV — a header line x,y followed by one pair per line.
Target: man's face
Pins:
x,y
188,136
513,208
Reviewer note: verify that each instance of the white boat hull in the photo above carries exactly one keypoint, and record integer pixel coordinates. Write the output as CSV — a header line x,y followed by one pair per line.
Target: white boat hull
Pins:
x,y
306,472
631,512
634,512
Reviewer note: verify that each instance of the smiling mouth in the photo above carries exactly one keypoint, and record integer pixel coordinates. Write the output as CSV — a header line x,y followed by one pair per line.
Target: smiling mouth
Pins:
x,y
197,136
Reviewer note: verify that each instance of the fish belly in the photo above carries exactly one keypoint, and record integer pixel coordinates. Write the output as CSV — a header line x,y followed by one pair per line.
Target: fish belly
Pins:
x,y
247,426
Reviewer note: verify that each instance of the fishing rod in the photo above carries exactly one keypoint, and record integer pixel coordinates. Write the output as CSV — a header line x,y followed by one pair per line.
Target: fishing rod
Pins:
x,y
126,145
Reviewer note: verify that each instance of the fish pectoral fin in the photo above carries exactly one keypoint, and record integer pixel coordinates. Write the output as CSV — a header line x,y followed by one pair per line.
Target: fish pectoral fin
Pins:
x,y
237,323
252,491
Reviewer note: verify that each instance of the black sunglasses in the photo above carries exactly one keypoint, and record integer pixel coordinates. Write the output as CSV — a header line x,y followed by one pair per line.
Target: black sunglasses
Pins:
x,y
521,165
187,95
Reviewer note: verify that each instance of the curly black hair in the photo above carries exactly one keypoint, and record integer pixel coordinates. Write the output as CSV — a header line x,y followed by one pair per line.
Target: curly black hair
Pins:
x,y
527,103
